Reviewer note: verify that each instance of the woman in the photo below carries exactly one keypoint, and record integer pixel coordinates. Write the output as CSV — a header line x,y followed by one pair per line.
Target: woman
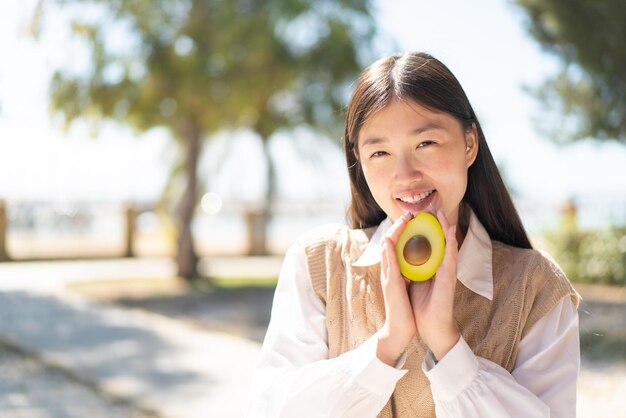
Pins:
x,y
493,333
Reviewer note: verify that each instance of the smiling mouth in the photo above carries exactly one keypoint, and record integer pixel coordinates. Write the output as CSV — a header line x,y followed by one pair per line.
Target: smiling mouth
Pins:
x,y
416,198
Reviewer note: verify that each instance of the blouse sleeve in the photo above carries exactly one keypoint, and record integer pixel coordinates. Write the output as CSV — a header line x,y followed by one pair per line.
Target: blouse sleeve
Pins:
x,y
542,384
294,375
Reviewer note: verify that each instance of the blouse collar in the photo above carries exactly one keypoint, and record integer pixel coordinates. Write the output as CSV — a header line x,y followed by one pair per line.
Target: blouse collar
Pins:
x,y
474,268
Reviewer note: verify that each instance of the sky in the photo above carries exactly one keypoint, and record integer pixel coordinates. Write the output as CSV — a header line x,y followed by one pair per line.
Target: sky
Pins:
x,y
484,43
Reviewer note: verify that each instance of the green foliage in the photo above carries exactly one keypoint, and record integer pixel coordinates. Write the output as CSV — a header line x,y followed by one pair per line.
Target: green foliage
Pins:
x,y
590,90
198,66
264,65
590,256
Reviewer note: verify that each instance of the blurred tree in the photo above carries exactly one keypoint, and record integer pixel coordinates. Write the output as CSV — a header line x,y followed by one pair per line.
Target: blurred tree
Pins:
x,y
589,92
198,66
4,255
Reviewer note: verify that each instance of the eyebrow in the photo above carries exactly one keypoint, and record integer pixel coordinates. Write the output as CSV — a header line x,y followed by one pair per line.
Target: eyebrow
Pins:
x,y
429,126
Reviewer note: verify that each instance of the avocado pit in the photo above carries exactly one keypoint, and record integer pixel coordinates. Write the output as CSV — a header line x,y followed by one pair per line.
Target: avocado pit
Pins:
x,y
417,250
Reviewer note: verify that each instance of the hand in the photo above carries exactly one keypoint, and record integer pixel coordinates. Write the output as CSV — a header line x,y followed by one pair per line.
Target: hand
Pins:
x,y
399,325
433,300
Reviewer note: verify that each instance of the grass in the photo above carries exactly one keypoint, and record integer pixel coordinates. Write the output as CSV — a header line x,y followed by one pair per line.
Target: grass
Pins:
x,y
144,287
236,305
234,282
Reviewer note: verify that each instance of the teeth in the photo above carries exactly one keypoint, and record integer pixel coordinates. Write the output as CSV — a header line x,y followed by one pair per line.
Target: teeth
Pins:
x,y
416,198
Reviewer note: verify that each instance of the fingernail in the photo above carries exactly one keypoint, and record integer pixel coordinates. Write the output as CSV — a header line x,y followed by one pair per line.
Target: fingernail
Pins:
x,y
406,214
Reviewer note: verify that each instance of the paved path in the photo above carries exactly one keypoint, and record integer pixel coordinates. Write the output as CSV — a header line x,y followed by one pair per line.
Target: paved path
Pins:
x,y
54,275
154,362
61,355
30,388
602,391
122,359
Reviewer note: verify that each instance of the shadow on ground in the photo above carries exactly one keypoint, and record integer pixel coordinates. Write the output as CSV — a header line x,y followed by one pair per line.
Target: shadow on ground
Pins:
x,y
107,345
243,311
148,360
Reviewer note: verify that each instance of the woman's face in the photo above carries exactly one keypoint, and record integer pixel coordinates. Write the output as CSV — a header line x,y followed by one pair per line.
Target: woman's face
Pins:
x,y
415,159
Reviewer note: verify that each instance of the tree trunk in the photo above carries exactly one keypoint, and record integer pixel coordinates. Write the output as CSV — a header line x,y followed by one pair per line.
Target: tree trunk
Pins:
x,y
259,219
186,257
4,255
130,217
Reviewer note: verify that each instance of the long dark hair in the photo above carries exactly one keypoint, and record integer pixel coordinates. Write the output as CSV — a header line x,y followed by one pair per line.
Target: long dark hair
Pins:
x,y
427,81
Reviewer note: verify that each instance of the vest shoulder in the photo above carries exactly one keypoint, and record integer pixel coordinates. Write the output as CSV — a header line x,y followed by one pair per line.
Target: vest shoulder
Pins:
x,y
537,267
525,257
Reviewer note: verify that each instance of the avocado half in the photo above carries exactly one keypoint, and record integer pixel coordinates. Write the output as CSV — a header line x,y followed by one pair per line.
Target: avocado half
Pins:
x,y
421,247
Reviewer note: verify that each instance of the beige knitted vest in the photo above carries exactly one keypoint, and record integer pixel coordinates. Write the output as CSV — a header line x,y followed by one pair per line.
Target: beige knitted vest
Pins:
x,y
527,285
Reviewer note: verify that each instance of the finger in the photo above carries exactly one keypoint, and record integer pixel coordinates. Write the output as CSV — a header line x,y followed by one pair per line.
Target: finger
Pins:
x,y
448,231
443,220
384,262
397,227
448,268
392,260
451,250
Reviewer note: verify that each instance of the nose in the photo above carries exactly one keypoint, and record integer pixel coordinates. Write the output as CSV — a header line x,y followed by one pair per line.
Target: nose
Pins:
x,y
408,169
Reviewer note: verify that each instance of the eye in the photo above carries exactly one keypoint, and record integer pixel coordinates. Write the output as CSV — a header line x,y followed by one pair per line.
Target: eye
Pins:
x,y
425,144
378,154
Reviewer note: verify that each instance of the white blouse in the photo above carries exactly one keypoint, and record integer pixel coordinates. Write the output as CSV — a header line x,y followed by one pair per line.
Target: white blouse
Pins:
x,y
295,377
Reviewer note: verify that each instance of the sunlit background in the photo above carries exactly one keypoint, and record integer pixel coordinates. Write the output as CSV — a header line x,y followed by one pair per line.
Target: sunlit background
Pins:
x,y
47,175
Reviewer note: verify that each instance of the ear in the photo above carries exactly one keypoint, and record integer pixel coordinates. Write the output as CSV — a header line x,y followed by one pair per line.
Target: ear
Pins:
x,y
471,145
